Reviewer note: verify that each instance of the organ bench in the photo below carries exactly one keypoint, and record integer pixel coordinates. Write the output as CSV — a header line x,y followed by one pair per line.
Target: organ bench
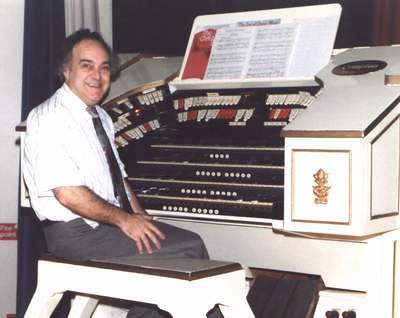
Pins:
x,y
183,287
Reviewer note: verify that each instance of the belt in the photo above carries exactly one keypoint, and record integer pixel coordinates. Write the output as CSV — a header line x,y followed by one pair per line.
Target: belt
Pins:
x,y
47,222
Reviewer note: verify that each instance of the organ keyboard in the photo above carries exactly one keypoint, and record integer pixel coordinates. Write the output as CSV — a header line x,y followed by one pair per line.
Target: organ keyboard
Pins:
x,y
212,153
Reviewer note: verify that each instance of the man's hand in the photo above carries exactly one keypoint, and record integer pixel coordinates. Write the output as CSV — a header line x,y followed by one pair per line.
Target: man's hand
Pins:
x,y
139,228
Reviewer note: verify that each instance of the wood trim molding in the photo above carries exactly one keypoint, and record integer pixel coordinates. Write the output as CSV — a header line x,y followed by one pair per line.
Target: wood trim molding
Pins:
x,y
214,268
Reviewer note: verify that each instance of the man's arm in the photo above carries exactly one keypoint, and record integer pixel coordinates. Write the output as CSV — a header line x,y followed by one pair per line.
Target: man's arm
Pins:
x,y
87,204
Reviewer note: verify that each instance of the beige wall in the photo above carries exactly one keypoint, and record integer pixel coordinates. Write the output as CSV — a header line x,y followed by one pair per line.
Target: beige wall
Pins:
x,y
11,35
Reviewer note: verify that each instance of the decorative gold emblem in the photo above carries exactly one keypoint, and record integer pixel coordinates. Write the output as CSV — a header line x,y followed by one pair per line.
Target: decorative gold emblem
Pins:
x,y
321,189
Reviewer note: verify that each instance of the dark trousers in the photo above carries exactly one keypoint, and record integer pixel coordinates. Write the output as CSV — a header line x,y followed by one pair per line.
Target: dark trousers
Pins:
x,y
77,240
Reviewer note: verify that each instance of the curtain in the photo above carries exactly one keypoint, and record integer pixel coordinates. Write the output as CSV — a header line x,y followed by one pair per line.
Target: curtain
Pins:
x,y
386,23
43,33
81,14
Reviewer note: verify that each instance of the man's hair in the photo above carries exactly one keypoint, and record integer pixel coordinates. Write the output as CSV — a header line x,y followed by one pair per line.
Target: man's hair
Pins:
x,y
65,54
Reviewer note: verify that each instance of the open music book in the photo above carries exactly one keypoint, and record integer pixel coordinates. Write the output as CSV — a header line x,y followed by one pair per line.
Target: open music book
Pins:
x,y
277,43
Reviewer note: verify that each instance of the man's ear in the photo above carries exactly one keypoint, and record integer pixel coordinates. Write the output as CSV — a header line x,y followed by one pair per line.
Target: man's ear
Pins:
x,y
66,73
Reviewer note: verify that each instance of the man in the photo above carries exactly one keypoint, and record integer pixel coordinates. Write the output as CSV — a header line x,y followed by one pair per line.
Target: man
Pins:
x,y
68,173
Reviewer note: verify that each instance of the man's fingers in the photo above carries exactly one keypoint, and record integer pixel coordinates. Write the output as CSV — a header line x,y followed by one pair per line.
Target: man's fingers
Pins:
x,y
147,244
154,239
144,232
139,246
156,230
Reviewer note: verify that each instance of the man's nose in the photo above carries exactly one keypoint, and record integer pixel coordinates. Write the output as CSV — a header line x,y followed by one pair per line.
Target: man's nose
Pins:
x,y
96,73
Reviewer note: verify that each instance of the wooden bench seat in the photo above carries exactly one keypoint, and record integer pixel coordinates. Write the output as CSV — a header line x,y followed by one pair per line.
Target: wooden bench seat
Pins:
x,y
183,287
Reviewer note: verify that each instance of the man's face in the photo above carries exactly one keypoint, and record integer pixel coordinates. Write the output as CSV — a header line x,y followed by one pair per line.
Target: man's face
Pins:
x,y
88,73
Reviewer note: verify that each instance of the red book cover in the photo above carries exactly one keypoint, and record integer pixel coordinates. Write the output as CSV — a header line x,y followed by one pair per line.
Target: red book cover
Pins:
x,y
199,54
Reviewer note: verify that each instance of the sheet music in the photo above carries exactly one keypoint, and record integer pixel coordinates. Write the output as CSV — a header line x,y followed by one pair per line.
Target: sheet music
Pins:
x,y
251,52
229,52
271,51
311,50
262,48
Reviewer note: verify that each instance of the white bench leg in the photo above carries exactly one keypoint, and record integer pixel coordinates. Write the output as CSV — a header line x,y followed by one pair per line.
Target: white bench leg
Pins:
x,y
42,304
186,309
83,306
239,310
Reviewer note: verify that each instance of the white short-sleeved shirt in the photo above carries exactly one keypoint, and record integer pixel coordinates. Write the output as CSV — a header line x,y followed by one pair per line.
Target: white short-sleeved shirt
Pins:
x,y
62,149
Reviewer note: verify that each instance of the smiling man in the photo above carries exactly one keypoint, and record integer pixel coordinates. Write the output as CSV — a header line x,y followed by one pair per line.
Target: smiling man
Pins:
x,y
88,72
74,174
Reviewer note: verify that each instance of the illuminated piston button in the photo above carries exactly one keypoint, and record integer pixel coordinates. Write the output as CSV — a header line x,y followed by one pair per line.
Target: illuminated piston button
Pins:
x,y
210,211
237,174
185,209
232,174
213,174
197,173
183,191
223,193
199,210
202,173
208,173
175,208
194,210
226,174
211,156
205,211
217,193
180,209
204,192
164,207
243,175
248,176
216,156
169,208
218,174
216,211
198,191
234,194
228,193
193,191
212,192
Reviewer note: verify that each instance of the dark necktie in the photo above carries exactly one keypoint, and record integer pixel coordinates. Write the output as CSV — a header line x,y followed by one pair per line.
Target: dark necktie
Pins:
x,y
116,175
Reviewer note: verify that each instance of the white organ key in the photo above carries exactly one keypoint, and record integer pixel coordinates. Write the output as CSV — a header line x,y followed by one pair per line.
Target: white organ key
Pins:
x,y
248,114
294,112
160,95
155,96
146,99
239,114
201,114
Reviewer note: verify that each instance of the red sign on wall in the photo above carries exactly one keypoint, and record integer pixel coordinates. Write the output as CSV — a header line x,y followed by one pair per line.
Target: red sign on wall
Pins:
x,y
8,231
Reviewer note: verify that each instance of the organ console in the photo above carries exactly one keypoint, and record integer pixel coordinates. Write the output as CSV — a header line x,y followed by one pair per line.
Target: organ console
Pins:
x,y
286,172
